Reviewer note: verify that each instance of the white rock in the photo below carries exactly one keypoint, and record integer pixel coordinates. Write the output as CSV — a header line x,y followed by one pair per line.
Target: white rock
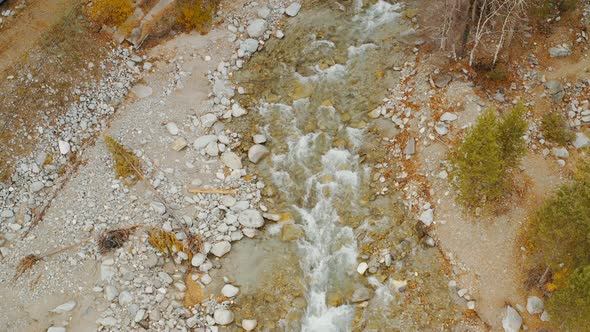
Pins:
x,y
427,217
512,320
158,207
249,46
66,307
237,110
203,141
36,186
198,259
545,316
172,128
293,9
263,12
221,248
139,315
64,147
249,232
125,298
208,120
581,141
206,279
212,149
249,324
560,153
256,28
223,316
471,305
56,329
259,139
230,290
251,219
534,305
257,152
279,34
231,160
362,268
448,117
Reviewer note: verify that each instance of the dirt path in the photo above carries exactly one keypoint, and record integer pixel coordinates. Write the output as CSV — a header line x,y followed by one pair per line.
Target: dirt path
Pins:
x,y
35,20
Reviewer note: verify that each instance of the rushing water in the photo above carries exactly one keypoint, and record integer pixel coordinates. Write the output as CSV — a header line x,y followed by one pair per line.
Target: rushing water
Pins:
x,y
329,71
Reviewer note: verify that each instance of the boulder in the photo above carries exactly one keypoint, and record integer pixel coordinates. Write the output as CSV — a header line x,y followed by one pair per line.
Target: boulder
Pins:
x,y
512,320
251,219
221,248
256,28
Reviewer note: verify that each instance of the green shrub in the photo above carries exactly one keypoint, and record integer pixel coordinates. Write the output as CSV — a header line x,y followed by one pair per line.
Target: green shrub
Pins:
x,y
196,14
483,160
562,226
569,307
554,128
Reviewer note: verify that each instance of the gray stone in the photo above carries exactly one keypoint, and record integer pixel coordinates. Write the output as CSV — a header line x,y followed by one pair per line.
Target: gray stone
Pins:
x,y
560,51
441,129
172,128
142,91
256,28
231,160
230,290
223,316
203,141
159,207
512,320
125,298
556,90
257,152
581,141
263,12
259,139
534,305
110,292
442,80
410,147
63,308
361,294
64,147
198,259
208,120
249,45
448,117
221,248
560,153
37,186
293,9
251,219
237,110
427,217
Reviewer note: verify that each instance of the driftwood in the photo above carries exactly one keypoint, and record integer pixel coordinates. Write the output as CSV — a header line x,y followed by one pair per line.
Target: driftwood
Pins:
x,y
213,191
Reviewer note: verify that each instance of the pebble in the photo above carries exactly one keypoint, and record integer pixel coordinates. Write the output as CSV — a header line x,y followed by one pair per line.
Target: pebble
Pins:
x,y
560,152
534,305
64,147
251,218
256,28
362,268
231,160
221,248
230,290
257,152
259,139
125,298
249,324
223,316
427,217
172,128
293,9
198,259
63,308
208,120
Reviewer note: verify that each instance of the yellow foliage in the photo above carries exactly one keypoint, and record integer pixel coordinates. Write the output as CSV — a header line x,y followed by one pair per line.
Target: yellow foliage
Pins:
x,y
109,12
166,242
127,164
196,14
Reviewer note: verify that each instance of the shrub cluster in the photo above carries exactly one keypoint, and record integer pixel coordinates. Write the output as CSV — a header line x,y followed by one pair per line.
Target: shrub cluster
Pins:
x,y
560,234
554,128
110,12
196,14
489,152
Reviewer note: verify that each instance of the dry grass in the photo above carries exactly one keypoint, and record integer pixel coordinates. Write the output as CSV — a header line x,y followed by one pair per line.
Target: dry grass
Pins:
x,y
196,14
127,164
110,12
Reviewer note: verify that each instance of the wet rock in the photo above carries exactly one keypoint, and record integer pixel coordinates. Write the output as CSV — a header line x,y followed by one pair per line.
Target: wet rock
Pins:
x,y
223,316
360,295
251,219
230,290
249,324
231,160
63,308
291,232
581,141
560,51
512,320
556,90
256,28
293,9
442,80
534,305
257,152
221,248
